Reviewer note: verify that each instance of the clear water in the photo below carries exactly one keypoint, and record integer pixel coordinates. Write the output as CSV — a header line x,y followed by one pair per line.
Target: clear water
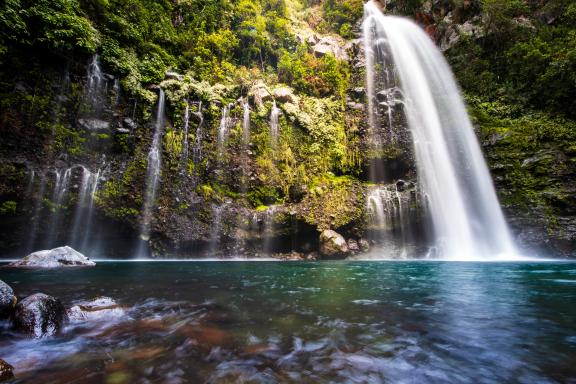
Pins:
x,y
337,322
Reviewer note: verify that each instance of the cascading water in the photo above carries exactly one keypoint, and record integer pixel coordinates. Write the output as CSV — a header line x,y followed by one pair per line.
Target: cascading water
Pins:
x,y
95,86
246,125
185,130
61,187
82,222
274,125
153,171
268,230
223,129
197,149
468,222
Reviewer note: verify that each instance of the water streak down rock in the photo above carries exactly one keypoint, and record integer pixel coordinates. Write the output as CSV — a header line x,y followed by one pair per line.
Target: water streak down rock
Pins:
x,y
467,218
153,172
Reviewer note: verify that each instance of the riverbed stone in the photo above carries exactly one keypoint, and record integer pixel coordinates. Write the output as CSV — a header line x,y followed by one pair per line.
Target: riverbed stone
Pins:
x,y
39,316
7,300
333,244
54,258
99,308
6,371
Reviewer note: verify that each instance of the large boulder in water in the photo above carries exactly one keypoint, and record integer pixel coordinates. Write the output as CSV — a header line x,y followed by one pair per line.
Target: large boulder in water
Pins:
x,y
7,300
333,244
39,316
54,258
6,371
100,308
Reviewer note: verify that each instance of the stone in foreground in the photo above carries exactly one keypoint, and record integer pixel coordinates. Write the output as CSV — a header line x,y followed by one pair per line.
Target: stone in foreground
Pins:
x,y
54,258
7,300
100,308
333,244
39,316
6,371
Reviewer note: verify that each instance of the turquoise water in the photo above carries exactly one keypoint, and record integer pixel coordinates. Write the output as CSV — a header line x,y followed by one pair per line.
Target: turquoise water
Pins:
x,y
337,322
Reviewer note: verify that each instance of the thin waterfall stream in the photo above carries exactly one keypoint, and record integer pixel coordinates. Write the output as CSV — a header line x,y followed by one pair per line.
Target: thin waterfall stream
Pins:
x,y
153,170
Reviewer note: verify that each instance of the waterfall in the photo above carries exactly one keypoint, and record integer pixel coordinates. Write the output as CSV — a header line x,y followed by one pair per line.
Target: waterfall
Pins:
x,y
82,220
197,149
95,86
58,196
268,229
38,198
246,125
389,212
223,129
467,218
153,170
274,127
185,130
216,231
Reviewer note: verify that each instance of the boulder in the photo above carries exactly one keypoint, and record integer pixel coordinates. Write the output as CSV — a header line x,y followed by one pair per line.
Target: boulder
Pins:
x,y
171,75
7,300
99,308
94,124
333,244
364,245
331,45
285,95
39,316
353,246
54,258
260,94
6,371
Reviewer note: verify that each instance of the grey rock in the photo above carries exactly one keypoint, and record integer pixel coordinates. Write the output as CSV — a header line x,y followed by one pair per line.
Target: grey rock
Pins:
x,y
333,244
94,124
54,258
100,308
285,95
331,45
6,371
171,75
7,300
39,316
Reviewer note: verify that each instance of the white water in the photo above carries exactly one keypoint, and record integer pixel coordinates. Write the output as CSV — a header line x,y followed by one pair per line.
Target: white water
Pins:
x,y
95,86
82,222
185,130
154,169
274,127
468,221
223,129
246,125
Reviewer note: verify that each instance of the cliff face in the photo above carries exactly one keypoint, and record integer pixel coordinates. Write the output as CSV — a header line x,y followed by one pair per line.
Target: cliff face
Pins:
x,y
79,114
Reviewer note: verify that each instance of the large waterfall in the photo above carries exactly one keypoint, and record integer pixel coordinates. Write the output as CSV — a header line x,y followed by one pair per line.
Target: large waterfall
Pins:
x,y
154,169
402,60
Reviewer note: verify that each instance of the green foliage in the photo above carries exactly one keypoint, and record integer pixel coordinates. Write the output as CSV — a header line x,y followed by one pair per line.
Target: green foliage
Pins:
x,y
342,14
53,24
314,76
8,208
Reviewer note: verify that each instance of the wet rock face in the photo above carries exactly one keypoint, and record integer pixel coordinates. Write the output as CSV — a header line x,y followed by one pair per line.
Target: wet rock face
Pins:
x,y
6,371
39,316
100,308
54,258
7,300
333,245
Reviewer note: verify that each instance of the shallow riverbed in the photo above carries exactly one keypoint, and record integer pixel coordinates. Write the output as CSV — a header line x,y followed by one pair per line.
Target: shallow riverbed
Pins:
x,y
271,322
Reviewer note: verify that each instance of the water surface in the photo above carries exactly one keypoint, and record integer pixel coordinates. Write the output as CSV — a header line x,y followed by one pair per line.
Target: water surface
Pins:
x,y
341,322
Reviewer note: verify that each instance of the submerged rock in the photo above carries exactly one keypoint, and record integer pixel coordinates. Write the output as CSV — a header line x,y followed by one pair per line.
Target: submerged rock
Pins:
x,y
6,371
7,300
39,316
54,258
96,309
333,244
